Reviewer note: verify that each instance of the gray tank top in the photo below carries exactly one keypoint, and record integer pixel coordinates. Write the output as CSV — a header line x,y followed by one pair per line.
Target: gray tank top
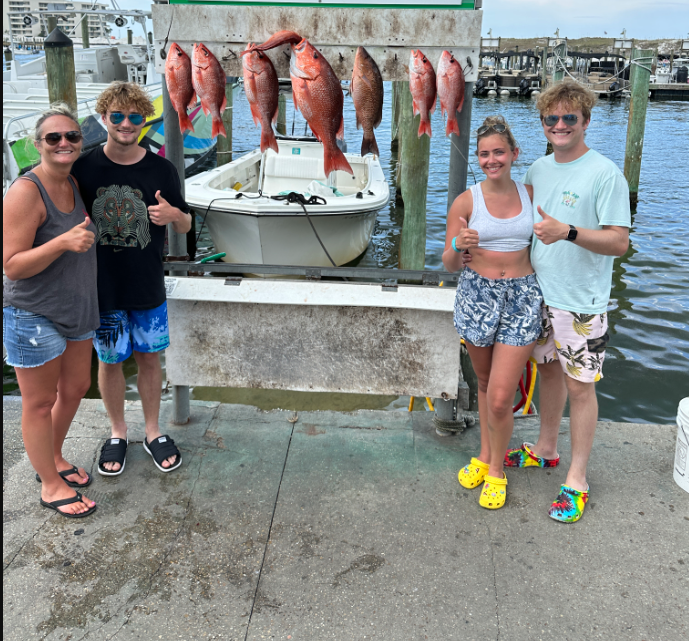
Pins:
x,y
65,291
502,234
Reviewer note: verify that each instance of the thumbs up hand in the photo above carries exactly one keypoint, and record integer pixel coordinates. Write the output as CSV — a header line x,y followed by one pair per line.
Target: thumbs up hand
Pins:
x,y
550,230
163,213
79,239
466,238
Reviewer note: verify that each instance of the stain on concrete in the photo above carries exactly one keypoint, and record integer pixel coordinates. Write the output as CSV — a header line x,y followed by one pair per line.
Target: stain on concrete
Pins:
x,y
366,564
310,430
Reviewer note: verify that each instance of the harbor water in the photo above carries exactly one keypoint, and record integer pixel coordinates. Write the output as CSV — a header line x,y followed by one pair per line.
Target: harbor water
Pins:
x,y
646,371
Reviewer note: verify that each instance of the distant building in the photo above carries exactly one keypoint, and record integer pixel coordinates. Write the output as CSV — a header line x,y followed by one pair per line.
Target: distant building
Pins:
x,y
97,28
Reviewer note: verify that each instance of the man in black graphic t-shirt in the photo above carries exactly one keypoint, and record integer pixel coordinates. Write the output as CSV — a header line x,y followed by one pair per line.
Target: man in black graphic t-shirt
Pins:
x,y
132,194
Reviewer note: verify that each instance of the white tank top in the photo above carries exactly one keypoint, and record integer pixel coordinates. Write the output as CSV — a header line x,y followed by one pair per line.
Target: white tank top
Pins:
x,y
502,234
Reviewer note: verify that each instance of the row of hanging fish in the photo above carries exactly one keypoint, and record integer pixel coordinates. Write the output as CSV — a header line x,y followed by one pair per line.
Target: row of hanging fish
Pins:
x,y
202,76
425,86
316,91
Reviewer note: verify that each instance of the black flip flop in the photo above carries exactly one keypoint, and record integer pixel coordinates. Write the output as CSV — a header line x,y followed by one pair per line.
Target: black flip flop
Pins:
x,y
114,450
66,473
75,499
162,448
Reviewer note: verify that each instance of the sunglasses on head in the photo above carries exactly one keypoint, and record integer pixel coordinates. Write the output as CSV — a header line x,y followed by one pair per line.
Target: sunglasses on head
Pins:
x,y
54,138
568,119
498,128
116,117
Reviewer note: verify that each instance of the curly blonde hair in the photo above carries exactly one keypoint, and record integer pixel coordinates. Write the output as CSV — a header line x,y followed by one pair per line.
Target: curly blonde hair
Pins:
x,y
122,95
570,94
506,135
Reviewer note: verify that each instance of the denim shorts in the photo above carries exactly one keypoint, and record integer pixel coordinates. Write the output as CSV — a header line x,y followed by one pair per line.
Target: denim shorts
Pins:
x,y
501,310
31,340
123,331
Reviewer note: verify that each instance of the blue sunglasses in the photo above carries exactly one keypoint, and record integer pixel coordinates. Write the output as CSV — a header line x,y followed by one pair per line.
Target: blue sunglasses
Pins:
x,y
116,117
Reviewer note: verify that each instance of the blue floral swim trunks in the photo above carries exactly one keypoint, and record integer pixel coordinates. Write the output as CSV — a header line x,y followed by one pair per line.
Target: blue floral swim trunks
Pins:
x,y
501,310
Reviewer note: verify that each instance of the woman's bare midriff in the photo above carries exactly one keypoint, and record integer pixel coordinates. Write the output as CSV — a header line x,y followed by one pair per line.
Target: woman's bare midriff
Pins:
x,y
494,265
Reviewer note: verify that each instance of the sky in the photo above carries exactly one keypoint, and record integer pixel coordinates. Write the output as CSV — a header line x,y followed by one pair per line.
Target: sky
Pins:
x,y
643,19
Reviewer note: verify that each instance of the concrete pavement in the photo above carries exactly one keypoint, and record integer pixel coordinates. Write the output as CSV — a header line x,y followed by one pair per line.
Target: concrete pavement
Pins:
x,y
342,526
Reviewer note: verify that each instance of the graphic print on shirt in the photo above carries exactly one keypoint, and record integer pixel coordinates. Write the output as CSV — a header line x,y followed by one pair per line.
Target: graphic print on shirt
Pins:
x,y
569,198
121,217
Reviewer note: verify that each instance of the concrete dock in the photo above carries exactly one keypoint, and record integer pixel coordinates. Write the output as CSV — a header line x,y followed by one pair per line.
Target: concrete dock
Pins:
x,y
342,526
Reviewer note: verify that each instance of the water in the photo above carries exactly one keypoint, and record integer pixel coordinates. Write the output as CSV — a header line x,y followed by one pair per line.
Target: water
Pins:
x,y
647,364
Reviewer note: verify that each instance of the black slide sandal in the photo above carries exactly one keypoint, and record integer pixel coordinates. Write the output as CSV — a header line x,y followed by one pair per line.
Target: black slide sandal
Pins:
x,y
75,499
161,448
65,473
114,450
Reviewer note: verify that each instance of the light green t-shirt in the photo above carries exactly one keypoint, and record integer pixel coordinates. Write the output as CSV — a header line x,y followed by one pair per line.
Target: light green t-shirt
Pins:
x,y
588,192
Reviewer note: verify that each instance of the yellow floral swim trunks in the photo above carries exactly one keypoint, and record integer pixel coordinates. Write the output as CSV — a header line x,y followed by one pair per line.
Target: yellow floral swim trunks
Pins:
x,y
578,341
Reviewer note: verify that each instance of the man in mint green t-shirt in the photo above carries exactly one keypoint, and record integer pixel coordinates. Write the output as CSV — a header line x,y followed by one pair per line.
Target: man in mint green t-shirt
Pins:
x,y
582,220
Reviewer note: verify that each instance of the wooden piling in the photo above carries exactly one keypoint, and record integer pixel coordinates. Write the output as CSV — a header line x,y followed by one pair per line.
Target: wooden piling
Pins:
x,y
413,166
639,80
544,67
225,143
459,149
394,120
59,65
282,115
177,243
130,36
52,23
85,43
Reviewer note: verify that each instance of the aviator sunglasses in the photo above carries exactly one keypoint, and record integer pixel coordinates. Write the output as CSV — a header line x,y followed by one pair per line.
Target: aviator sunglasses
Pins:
x,y
54,138
498,128
116,117
568,119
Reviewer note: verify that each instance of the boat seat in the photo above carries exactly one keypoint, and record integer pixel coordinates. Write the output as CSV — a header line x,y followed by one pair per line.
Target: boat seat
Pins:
x,y
291,173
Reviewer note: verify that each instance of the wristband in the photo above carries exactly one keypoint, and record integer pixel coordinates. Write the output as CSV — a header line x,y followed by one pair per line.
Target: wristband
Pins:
x,y
454,246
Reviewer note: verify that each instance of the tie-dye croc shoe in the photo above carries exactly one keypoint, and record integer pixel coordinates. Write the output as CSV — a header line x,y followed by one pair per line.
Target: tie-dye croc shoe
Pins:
x,y
473,474
524,457
494,492
569,504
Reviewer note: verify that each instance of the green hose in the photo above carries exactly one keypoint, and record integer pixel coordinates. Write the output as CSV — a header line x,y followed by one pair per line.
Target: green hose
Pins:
x,y
208,259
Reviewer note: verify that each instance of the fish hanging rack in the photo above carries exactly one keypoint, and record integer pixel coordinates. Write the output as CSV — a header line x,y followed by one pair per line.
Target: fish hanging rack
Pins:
x,y
388,34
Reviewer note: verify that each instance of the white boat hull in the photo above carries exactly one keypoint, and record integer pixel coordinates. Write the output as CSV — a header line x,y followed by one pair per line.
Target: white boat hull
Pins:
x,y
290,240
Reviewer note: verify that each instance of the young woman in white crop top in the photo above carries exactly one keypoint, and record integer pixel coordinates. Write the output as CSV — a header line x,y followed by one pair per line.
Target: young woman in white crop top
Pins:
x,y
498,303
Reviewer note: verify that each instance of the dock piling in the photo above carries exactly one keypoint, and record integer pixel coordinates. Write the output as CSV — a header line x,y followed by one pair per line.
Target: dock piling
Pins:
x,y
130,36
225,142
85,43
282,115
394,119
412,172
59,64
177,243
52,23
459,150
639,81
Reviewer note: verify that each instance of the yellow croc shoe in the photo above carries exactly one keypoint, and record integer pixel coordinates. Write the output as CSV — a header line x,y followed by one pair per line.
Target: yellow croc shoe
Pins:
x,y
472,475
494,492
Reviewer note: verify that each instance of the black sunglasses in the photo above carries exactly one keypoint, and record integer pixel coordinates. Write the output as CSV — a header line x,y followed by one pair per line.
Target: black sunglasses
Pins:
x,y
54,138
116,117
568,119
498,128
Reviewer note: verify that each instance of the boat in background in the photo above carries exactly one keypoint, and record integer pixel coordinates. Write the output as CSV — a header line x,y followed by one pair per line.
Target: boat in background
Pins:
x,y
252,218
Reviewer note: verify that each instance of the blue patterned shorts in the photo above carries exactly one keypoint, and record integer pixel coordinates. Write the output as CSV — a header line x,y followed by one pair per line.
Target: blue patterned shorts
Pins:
x,y
502,310
122,331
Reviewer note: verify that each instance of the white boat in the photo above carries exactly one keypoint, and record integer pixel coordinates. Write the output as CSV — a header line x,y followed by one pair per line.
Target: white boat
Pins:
x,y
246,222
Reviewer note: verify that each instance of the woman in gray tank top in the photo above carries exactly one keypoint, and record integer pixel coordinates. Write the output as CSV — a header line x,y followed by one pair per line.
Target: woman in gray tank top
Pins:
x,y
498,303
50,305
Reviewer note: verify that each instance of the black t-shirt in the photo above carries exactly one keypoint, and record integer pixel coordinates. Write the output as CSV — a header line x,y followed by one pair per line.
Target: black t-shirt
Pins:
x,y
129,245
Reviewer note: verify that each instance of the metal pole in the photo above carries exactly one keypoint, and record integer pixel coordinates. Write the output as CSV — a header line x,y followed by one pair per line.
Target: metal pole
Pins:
x,y
225,143
639,80
59,66
85,32
459,149
177,243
